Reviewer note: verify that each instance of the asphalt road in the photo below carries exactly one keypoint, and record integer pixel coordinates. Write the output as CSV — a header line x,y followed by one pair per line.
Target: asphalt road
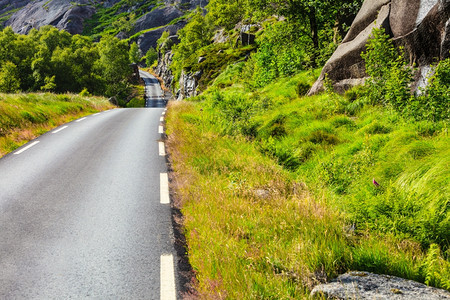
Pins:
x,y
81,214
154,96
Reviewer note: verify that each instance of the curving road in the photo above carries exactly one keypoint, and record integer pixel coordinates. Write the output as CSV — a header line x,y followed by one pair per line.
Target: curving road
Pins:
x,y
154,96
84,213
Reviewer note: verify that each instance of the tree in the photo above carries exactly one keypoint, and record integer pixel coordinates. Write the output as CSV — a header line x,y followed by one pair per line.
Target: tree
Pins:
x,y
225,13
114,66
151,56
135,53
9,78
195,35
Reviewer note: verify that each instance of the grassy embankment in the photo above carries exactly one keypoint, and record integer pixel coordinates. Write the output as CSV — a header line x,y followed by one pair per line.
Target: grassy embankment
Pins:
x,y
23,117
277,190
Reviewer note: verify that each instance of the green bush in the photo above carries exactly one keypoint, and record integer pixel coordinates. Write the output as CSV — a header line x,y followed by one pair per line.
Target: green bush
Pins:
x,y
390,76
302,88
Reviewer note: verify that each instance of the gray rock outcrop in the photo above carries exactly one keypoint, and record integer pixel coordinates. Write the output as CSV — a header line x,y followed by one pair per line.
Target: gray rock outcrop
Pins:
x,y
365,285
149,38
188,85
157,17
9,6
422,27
63,14
163,70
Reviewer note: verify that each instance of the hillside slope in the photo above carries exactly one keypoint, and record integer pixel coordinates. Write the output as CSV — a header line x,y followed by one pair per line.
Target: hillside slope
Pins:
x,y
144,21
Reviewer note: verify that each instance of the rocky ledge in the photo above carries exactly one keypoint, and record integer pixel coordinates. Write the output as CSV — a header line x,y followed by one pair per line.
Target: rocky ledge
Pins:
x,y
365,285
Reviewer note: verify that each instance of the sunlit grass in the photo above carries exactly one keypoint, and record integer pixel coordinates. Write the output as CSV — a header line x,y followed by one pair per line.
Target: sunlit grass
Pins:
x,y
270,212
23,117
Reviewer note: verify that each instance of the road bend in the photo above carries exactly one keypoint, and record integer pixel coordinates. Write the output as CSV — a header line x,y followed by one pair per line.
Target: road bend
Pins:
x,y
154,96
81,212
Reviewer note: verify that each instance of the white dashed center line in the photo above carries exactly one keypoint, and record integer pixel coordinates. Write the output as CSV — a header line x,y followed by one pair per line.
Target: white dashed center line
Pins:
x,y
164,188
167,278
162,150
60,129
82,119
26,148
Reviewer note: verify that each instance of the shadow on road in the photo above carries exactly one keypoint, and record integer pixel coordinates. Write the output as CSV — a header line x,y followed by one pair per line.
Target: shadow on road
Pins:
x,y
155,102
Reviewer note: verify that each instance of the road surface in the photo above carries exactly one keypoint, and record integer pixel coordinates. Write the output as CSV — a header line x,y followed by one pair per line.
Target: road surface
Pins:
x,y
154,96
84,213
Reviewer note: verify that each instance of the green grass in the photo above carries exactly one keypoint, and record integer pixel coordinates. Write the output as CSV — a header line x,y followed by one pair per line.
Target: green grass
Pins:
x,y
26,116
102,22
270,184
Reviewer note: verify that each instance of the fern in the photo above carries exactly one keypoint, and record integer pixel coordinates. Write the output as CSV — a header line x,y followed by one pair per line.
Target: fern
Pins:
x,y
436,269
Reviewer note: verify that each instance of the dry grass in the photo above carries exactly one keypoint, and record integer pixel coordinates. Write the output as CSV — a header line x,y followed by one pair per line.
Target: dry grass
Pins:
x,y
24,117
253,231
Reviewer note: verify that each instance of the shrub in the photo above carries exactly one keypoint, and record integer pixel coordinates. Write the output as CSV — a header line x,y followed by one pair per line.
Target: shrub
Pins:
x,y
390,76
302,88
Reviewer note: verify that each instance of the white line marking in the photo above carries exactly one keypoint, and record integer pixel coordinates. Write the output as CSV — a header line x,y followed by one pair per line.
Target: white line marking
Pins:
x,y
161,119
26,148
162,149
82,119
96,114
163,113
167,278
164,188
160,129
60,129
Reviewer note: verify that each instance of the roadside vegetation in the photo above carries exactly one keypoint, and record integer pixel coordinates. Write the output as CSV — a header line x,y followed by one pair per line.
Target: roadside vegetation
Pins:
x,y
23,117
277,191
117,18
280,191
54,61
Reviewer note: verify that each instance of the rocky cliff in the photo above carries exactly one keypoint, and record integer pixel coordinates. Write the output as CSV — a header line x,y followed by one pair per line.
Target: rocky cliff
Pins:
x,y
23,15
422,27
63,14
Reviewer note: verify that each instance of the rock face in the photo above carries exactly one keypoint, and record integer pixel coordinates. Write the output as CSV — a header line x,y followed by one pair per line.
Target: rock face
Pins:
x,y
63,14
149,38
162,70
422,27
365,285
157,17
8,6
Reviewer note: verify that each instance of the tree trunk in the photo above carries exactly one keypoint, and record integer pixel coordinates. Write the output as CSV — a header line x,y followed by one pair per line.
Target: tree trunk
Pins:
x,y
314,33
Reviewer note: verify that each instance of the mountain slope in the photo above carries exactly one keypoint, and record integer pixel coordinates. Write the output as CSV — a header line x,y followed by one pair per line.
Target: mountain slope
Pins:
x,y
141,20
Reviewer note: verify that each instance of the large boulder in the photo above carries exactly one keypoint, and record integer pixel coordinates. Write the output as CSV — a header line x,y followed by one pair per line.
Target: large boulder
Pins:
x,y
422,27
63,14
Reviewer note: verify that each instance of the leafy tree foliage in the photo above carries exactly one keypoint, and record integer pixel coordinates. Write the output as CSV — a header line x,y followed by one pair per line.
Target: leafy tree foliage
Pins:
x,y
295,35
53,60
135,53
9,78
151,56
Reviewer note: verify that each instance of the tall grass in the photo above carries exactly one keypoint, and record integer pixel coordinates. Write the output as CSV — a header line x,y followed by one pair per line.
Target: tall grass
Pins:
x,y
278,195
26,116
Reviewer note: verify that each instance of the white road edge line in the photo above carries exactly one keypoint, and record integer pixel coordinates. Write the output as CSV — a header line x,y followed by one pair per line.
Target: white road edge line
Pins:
x,y
96,114
164,188
163,113
162,149
167,278
82,119
60,129
26,148
161,119
160,129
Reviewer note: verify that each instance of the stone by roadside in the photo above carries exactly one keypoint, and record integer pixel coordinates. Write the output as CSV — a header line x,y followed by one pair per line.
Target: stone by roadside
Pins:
x,y
365,285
